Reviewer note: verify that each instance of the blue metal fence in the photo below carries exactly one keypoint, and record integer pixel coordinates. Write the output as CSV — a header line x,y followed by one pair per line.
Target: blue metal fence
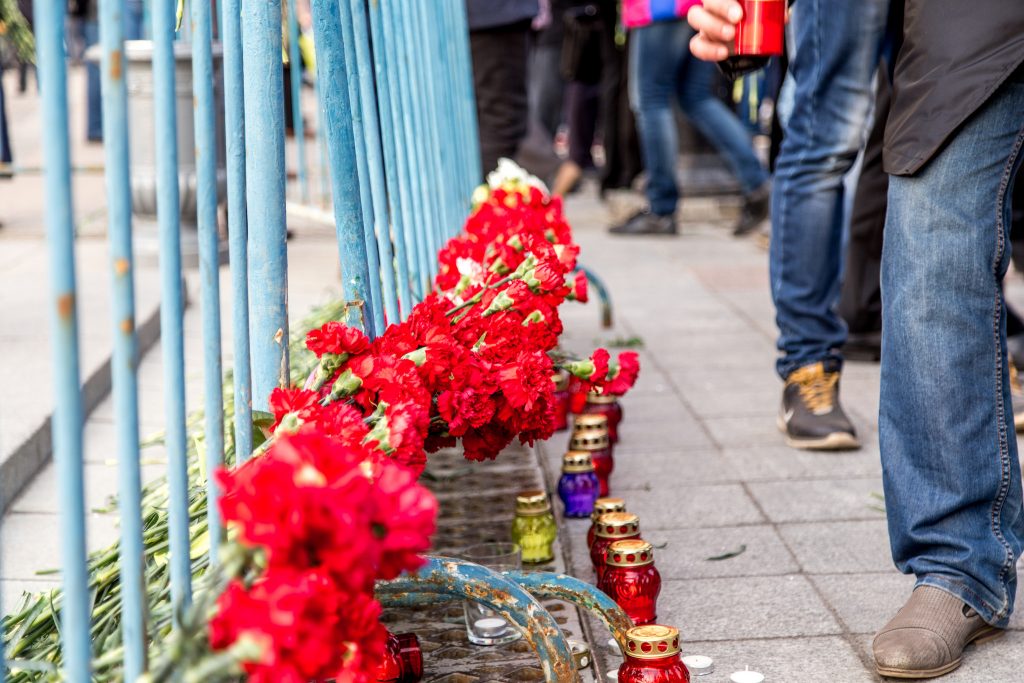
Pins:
x,y
397,120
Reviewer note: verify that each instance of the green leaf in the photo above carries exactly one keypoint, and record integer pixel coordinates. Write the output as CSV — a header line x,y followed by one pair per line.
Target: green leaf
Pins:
x,y
727,556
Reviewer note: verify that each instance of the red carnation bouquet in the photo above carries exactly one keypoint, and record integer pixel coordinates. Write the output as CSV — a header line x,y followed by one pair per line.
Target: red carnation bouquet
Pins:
x,y
330,504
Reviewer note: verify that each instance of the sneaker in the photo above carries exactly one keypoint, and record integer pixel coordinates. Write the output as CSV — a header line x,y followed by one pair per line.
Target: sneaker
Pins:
x,y
1017,399
755,210
811,417
646,223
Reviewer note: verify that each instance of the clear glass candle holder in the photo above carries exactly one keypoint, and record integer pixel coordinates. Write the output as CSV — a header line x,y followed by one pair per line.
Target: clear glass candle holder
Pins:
x,y
484,626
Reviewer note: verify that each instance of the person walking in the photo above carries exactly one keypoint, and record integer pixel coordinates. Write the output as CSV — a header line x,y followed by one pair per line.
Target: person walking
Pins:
x,y
952,479
835,49
499,40
661,69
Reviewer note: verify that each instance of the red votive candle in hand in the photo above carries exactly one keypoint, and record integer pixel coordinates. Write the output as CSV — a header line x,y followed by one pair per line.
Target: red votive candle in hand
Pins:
x,y
760,32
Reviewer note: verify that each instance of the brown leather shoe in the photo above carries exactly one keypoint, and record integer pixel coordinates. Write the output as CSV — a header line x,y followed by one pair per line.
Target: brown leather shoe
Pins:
x,y
927,636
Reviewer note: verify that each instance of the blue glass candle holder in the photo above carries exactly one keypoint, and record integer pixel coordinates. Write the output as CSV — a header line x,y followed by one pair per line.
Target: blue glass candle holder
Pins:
x,y
578,487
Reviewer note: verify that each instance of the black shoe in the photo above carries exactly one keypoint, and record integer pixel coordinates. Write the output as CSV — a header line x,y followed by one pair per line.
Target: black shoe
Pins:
x,y
646,223
811,417
863,346
755,210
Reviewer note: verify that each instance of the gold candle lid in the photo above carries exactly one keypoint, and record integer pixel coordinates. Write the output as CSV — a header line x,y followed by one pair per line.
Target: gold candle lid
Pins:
x,y
577,461
653,641
561,380
617,525
604,505
597,398
632,552
590,422
532,503
589,440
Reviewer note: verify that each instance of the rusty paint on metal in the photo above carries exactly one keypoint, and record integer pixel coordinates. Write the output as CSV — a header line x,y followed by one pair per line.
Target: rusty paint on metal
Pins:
x,y
115,65
65,305
122,266
127,325
278,336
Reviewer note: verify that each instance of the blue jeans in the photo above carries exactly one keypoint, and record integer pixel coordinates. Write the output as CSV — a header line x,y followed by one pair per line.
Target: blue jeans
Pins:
x,y
949,453
834,54
660,68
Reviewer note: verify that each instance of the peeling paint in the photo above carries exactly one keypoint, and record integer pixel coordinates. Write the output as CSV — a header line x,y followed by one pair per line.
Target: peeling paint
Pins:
x,y
115,65
122,266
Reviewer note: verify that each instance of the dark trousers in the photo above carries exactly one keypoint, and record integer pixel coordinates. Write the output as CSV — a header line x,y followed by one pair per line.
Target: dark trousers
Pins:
x,y
5,142
499,75
860,301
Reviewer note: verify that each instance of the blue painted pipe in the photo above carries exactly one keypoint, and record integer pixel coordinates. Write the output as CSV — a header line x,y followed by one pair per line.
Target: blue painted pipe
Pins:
x,y
265,192
238,229
67,414
125,357
171,301
419,233
374,158
360,145
209,258
394,168
337,112
446,576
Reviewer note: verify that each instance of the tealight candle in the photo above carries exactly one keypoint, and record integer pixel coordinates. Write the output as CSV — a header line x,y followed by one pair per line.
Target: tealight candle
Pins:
x,y
699,665
490,627
747,676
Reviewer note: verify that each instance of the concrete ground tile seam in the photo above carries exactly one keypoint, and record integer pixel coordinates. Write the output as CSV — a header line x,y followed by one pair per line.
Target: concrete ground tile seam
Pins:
x,y
865,602
749,607
839,547
753,550
817,659
702,506
820,500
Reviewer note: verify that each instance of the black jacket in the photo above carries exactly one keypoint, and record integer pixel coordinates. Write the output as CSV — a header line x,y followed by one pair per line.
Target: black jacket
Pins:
x,y
955,54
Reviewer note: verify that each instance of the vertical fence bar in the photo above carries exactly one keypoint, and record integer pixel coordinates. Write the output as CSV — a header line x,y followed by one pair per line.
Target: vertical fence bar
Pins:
x,y
67,414
321,146
125,358
171,300
395,168
361,144
295,72
209,258
265,192
410,147
436,181
238,229
375,161
337,117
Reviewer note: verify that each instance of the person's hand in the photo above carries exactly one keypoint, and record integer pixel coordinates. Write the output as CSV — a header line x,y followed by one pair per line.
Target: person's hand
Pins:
x,y
715,23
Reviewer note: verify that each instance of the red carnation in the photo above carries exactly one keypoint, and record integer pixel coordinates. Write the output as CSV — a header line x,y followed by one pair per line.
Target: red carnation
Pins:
x,y
624,377
336,338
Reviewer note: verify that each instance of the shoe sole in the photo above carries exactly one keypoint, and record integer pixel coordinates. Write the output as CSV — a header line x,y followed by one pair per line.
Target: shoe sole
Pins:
x,y
983,636
836,441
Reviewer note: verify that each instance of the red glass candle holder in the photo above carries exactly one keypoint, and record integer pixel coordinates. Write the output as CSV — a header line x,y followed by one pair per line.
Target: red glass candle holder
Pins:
x,y
652,656
603,506
632,580
611,527
760,33
590,434
561,380
599,404
402,661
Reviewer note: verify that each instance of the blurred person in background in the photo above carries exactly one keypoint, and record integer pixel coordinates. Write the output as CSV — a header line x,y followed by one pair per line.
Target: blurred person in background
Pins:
x,y
662,70
499,35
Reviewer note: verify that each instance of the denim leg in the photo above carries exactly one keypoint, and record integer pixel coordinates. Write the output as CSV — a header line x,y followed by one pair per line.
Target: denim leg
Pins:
x,y
949,453
719,124
834,56
5,142
94,111
655,54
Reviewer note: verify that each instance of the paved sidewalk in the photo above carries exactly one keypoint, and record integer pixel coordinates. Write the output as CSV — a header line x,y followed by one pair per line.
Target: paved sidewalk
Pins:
x,y
702,463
